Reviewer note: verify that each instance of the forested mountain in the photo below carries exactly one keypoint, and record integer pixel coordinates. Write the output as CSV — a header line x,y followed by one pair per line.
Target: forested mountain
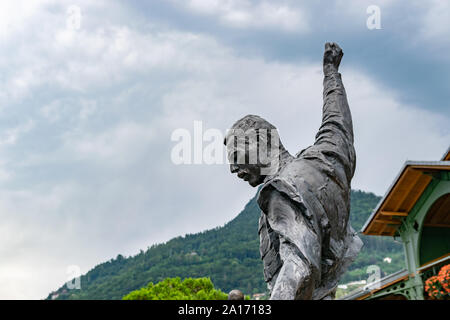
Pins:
x,y
229,255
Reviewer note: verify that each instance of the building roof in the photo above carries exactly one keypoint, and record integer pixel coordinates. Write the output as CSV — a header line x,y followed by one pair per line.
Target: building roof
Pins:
x,y
446,156
402,195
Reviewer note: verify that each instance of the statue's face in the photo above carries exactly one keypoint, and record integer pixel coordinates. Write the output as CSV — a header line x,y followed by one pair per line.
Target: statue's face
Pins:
x,y
249,173
244,160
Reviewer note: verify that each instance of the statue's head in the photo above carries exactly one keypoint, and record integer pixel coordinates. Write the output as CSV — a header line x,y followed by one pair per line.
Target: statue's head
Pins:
x,y
253,149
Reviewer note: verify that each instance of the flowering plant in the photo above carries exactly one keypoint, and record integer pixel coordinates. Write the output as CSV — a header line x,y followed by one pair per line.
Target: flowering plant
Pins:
x,y
444,278
438,286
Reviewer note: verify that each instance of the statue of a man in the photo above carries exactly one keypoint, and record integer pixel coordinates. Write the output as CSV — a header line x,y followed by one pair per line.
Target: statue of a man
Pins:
x,y
306,241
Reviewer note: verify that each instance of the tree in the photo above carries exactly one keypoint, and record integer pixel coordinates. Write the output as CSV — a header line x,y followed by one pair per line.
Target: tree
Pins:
x,y
175,289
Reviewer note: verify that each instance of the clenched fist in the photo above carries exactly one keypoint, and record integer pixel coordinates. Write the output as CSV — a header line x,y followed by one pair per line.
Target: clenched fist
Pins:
x,y
331,58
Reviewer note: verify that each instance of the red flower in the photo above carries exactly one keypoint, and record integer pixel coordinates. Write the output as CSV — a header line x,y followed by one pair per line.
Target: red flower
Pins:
x,y
438,286
444,278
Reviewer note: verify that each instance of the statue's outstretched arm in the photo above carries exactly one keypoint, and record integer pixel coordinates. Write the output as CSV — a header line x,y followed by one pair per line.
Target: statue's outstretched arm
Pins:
x,y
335,135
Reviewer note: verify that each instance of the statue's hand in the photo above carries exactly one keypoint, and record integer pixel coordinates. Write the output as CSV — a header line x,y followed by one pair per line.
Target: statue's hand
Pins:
x,y
332,58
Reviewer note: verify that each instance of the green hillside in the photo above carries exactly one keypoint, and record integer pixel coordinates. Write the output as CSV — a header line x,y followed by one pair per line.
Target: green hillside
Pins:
x,y
229,255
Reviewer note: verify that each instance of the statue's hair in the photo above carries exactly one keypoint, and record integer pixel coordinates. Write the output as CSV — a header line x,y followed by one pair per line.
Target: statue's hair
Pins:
x,y
252,121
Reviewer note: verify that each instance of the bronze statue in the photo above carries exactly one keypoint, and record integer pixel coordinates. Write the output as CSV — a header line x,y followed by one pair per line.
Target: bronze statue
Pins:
x,y
306,241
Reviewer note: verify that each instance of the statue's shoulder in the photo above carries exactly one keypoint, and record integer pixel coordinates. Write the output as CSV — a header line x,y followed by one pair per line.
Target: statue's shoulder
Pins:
x,y
284,182
301,152
312,152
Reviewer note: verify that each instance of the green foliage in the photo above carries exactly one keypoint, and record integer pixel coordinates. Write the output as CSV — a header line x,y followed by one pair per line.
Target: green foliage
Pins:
x,y
175,289
228,255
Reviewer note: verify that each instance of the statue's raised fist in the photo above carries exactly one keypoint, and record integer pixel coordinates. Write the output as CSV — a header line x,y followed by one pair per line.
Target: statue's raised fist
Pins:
x,y
332,57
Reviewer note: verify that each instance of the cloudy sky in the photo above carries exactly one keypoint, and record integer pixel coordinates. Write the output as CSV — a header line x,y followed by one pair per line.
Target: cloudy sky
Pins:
x,y
91,91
